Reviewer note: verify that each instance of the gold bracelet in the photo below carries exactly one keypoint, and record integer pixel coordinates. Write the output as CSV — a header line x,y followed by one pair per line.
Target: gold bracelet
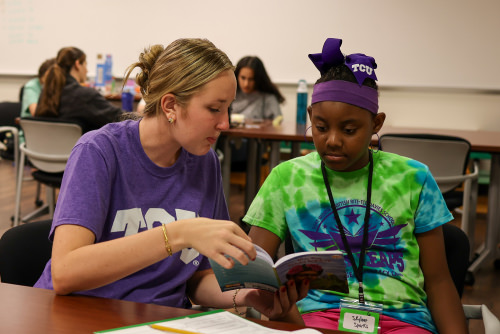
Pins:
x,y
167,244
234,304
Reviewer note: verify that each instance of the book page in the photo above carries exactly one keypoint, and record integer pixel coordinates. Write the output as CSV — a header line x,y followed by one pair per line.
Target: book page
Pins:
x,y
218,322
325,269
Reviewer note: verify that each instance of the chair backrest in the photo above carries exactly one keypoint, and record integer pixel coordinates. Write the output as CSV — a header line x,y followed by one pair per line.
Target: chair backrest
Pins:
x,y
444,155
457,249
9,111
48,143
24,252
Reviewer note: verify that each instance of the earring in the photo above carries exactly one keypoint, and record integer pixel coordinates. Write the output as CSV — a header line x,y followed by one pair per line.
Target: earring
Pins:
x,y
170,120
378,143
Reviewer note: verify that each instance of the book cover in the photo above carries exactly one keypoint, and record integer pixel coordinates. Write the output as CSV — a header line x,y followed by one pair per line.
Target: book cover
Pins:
x,y
325,270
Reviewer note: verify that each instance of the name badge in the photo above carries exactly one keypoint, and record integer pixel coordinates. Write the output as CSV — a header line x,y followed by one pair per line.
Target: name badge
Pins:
x,y
359,318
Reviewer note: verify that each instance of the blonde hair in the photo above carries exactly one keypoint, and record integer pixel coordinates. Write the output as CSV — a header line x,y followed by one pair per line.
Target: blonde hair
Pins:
x,y
182,68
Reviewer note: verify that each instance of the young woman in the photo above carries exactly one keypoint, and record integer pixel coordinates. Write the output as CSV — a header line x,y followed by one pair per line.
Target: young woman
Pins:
x,y
256,97
64,97
141,206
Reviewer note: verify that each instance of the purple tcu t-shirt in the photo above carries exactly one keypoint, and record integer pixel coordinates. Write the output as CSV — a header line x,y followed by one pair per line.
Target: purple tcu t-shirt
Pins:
x,y
111,187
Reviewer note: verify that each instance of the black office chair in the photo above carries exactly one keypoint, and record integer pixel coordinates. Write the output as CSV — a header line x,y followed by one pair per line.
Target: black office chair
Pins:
x,y
24,252
9,137
457,249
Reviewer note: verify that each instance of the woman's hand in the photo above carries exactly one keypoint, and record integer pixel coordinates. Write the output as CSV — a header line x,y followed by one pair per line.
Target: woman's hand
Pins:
x,y
279,305
213,238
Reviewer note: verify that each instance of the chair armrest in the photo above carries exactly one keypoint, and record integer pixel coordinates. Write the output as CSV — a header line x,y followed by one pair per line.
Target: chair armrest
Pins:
x,y
490,321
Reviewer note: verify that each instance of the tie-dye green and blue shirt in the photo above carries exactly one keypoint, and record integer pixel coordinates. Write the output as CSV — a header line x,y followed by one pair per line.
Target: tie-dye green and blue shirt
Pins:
x,y
405,201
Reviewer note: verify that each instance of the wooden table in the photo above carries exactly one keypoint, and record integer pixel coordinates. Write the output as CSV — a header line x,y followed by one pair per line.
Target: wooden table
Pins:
x,y
31,310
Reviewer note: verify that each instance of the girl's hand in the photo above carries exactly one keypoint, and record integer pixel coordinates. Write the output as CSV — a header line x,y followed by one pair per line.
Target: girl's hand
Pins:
x,y
278,305
214,239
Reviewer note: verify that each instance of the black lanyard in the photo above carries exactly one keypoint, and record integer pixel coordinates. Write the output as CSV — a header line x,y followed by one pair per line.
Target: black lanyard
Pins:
x,y
358,270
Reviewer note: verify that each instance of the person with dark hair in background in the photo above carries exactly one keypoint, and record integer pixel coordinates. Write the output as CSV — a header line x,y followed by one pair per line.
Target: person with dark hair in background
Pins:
x,y
64,97
257,98
33,88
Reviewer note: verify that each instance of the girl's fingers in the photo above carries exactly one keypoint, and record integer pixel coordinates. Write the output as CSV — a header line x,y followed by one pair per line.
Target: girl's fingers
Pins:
x,y
292,292
303,289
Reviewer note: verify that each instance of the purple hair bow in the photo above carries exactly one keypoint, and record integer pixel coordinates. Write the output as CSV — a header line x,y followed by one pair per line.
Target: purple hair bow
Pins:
x,y
361,65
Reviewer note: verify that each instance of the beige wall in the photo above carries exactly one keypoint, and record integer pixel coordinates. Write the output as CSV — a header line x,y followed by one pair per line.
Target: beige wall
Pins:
x,y
407,107
439,108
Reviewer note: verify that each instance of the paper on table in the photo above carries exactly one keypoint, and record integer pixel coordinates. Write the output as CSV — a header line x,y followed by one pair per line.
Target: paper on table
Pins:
x,y
218,322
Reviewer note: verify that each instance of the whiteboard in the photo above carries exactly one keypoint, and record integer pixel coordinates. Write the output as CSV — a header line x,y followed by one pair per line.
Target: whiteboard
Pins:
x,y
428,43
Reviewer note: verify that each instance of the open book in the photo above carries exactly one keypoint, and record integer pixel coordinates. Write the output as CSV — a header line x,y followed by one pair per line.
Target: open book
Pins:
x,y
325,270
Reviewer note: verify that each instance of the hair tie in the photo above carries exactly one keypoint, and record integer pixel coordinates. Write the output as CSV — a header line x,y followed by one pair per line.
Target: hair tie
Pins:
x,y
361,65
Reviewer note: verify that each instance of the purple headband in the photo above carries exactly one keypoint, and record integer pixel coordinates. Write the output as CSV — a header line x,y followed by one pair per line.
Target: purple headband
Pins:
x,y
347,92
361,66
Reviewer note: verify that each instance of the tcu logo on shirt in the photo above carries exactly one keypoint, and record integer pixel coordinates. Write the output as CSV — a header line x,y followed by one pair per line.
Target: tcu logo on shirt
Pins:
x,y
131,221
362,68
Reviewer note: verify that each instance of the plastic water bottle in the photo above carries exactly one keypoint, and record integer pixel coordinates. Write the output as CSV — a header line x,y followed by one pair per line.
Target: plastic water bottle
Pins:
x,y
99,82
108,73
128,95
302,103
127,100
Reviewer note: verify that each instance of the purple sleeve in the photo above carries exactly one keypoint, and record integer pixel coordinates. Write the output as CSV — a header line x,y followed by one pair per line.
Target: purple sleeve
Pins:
x,y
85,191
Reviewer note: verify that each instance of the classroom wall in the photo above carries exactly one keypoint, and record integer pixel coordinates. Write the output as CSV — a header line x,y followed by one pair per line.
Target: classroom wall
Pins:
x,y
428,108
436,59
433,108
425,43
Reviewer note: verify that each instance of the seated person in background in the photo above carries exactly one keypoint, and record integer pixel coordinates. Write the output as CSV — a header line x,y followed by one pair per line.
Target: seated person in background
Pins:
x,y
257,98
141,207
64,97
33,88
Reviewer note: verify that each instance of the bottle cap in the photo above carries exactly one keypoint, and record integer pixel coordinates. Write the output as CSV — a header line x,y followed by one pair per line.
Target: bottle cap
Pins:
x,y
302,86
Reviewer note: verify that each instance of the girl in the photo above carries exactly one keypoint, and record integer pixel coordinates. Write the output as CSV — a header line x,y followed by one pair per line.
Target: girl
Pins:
x,y
256,97
383,211
141,204
64,97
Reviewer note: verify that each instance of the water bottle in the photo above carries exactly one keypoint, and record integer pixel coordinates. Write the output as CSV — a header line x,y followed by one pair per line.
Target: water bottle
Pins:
x,y
302,103
128,95
127,100
99,82
108,73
